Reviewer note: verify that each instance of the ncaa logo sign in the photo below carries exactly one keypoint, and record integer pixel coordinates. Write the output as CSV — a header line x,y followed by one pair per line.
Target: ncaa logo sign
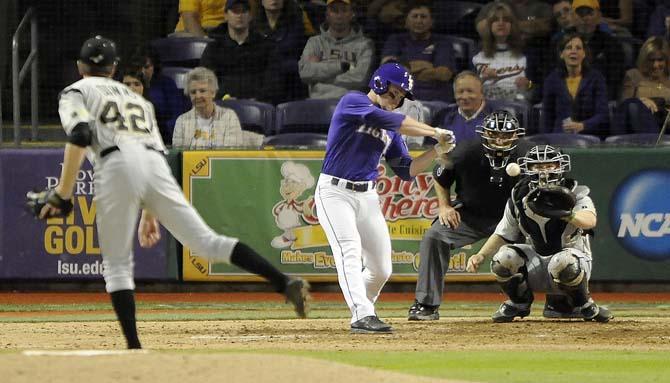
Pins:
x,y
640,214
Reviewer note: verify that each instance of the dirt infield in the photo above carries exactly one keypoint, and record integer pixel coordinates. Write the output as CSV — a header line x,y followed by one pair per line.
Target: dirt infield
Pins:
x,y
180,350
62,298
180,368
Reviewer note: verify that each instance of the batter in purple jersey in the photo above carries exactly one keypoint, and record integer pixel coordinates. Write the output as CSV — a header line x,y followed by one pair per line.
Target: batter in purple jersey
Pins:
x,y
362,131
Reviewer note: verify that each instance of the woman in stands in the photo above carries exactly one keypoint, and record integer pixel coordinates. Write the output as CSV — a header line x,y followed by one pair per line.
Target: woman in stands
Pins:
x,y
501,63
646,90
574,95
207,125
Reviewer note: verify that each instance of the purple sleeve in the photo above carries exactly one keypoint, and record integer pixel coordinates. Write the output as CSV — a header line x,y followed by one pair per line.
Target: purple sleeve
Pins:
x,y
358,105
601,112
392,46
398,158
445,55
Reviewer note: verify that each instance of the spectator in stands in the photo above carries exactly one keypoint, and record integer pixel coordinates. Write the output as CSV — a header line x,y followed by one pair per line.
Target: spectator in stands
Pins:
x,y
429,56
575,95
340,58
198,17
618,14
605,49
564,18
659,21
238,55
133,78
501,64
646,90
161,91
281,22
534,17
471,110
207,125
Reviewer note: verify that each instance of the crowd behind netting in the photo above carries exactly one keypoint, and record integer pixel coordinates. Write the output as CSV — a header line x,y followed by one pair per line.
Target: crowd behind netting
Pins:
x,y
234,72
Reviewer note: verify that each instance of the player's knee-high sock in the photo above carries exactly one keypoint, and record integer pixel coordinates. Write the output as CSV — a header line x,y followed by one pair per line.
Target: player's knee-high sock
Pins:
x,y
124,306
247,258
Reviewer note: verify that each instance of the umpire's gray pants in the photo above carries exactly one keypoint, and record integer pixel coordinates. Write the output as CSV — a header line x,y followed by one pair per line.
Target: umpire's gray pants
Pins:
x,y
435,251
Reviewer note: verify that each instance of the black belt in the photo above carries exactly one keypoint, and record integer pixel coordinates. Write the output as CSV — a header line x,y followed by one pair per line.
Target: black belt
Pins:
x,y
114,148
355,186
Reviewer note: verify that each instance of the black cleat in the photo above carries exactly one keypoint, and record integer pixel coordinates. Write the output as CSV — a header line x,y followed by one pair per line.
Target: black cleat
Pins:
x,y
297,293
421,312
509,310
593,312
370,325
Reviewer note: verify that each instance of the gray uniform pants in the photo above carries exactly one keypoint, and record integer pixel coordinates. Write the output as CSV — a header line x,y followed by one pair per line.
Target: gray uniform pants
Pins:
x,y
435,251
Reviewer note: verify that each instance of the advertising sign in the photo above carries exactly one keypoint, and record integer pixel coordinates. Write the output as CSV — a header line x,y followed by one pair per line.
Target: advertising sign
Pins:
x,y
61,249
266,199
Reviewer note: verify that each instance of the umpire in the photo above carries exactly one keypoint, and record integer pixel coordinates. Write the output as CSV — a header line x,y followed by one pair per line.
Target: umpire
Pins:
x,y
482,188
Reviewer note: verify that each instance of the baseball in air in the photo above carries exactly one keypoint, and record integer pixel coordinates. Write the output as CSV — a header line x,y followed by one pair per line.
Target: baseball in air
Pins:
x,y
513,169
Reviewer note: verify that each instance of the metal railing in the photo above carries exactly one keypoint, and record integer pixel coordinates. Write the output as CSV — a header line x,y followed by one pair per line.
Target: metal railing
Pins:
x,y
19,74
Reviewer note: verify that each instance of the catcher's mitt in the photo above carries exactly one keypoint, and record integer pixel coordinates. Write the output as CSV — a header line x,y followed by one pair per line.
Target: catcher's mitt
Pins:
x,y
35,201
552,202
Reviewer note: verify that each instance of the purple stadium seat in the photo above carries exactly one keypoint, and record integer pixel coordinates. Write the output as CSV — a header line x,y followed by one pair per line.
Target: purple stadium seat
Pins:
x,y
297,140
564,140
464,48
254,116
305,116
456,17
182,51
520,109
536,122
177,74
637,139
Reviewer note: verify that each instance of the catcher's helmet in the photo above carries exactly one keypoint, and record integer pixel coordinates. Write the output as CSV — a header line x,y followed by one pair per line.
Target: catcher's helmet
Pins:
x,y
500,132
392,73
98,51
544,165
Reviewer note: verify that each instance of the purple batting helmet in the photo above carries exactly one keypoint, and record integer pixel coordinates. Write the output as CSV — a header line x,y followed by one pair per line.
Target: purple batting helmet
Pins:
x,y
392,73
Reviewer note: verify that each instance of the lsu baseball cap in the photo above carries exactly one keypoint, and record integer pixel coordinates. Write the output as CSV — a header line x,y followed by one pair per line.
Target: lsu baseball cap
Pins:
x,y
98,51
593,4
232,3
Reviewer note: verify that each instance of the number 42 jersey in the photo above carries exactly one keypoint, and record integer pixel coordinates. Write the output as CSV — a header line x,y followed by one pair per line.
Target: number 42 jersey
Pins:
x,y
116,115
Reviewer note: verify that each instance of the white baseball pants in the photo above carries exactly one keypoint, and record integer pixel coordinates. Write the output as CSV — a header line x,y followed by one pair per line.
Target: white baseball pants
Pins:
x,y
360,242
135,178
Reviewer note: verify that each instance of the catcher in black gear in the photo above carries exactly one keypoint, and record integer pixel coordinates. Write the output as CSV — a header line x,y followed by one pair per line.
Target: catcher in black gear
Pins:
x,y
542,242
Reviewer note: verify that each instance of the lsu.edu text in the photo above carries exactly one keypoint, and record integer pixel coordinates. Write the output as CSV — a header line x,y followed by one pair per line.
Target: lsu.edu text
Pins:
x,y
72,268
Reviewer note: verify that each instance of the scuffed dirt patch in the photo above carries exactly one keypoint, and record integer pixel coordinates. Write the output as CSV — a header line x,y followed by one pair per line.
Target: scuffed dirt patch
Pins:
x,y
179,368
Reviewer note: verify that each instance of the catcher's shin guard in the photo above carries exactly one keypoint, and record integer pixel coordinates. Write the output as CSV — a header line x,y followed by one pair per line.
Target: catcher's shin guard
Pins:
x,y
509,267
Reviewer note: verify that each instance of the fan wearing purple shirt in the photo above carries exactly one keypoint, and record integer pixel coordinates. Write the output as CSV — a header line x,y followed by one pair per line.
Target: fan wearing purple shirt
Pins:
x,y
429,56
364,129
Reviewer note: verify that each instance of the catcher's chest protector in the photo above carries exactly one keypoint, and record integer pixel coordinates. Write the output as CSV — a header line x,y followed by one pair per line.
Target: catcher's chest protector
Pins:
x,y
545,234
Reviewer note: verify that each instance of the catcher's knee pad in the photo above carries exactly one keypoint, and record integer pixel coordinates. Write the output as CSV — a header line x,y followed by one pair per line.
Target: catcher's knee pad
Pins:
x,y
507,263
565,269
